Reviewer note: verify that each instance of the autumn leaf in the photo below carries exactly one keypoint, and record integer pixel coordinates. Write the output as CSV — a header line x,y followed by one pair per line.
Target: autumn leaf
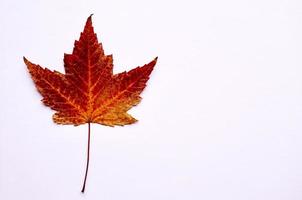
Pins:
x,y
89,92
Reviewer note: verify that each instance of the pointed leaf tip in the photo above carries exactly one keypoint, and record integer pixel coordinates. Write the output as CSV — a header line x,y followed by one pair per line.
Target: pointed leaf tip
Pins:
x,y
154,61
89,19
88,24
25,60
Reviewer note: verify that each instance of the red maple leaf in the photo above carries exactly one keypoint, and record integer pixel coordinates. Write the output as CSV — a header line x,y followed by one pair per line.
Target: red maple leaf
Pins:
x,y
89,92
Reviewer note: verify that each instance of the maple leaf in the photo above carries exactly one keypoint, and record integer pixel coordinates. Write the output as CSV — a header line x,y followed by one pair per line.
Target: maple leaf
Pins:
x,y
89,92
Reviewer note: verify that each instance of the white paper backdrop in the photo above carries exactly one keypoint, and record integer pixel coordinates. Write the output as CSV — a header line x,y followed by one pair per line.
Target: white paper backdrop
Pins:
x,y
221,117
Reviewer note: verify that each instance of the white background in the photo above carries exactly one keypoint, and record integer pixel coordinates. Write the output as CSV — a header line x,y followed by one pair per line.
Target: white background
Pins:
x,y
221,117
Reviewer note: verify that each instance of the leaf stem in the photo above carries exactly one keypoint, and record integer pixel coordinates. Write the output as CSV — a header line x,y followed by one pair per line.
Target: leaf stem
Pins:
x,y
87,164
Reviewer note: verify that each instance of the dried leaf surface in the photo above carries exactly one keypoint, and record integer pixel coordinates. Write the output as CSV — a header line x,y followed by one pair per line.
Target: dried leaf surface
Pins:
x,y
89,92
